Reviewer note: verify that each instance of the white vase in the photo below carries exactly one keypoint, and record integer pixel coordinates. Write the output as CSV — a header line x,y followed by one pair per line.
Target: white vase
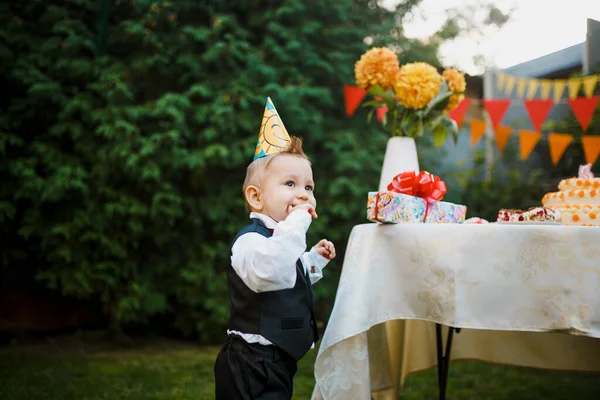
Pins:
x,y
400,156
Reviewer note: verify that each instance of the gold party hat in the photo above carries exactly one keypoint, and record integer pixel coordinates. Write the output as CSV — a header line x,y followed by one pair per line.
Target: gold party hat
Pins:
x,y
273,137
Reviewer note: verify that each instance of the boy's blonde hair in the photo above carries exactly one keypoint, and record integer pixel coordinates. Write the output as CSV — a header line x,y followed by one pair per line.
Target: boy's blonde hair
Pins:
x,y
259,166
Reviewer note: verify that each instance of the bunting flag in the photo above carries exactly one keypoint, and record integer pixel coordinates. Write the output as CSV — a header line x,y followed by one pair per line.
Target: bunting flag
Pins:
x,y
589,85
527,87
584,108
546,86
558,143
532,87
510,84
458,114
559,89
496,108
353,96
521,85
501,134
381,112
538,111
477,131
527,141
574,85
591,148
500,81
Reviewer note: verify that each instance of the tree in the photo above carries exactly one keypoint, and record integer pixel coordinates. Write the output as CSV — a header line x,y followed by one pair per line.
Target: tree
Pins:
x,y
124,149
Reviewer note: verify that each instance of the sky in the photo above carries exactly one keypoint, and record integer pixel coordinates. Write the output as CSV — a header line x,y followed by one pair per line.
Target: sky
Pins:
x,y
536,28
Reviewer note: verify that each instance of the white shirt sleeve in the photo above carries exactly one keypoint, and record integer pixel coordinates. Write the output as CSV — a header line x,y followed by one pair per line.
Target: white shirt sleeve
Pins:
x,y
267,264
312,260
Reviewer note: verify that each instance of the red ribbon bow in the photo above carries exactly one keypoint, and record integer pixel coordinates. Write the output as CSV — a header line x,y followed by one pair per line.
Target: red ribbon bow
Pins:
x,y
425,185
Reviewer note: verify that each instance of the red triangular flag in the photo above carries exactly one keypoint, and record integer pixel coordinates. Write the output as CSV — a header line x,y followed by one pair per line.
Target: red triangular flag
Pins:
x,y
538,111
381,112
584,108
458,114
353,96
496,108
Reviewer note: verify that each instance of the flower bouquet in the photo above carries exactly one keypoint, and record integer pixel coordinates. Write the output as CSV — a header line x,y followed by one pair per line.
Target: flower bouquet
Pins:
x,y
412,99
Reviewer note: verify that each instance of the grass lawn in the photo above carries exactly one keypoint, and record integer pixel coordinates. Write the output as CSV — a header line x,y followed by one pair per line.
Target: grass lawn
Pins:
x,y
70,370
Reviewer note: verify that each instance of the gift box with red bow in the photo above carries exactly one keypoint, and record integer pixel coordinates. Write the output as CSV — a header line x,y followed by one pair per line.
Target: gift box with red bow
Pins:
x,y
414,198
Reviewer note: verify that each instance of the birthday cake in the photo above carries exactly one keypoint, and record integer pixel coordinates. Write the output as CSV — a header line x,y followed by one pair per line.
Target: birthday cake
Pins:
x,y
578,199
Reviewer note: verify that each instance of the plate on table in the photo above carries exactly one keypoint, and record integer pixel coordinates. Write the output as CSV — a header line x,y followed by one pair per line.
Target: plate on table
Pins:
x,y
529,223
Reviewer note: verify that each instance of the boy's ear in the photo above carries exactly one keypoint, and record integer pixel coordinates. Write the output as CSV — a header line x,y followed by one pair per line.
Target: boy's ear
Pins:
x,y
254,198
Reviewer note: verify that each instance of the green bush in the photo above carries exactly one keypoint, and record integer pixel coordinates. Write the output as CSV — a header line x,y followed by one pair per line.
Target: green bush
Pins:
x,y
124,143
126,127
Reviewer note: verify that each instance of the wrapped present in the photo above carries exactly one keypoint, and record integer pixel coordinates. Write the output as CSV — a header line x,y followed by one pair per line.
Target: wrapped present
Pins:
x,y
414,198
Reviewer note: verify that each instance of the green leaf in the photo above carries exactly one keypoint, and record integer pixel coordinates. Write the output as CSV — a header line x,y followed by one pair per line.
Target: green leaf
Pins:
x,y
440,102
389,97
372,103
419,128
376,91
433,118
370,114
439,135
450,127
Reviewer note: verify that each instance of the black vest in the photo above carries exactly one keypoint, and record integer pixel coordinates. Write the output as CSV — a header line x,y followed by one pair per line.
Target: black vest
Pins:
x,y
284,317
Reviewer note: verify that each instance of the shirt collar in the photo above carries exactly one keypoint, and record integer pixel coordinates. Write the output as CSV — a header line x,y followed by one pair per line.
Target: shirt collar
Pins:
x,y
269,222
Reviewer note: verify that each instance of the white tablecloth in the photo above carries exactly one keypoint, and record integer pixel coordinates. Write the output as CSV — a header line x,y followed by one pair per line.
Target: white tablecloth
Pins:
x,y
494,277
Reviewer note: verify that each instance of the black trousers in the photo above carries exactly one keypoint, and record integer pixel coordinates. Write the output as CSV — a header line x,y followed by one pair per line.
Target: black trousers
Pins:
x,y
250,371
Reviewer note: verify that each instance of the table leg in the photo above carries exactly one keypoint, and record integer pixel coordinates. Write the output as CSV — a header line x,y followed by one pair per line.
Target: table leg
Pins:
x,y
443,358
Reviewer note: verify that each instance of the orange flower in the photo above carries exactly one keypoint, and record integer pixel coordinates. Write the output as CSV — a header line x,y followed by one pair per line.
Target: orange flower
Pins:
x,y
378,66
417,84
456,83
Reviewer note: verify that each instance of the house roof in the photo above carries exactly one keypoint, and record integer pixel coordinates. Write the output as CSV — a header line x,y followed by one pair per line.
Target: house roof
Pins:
x,y
561,60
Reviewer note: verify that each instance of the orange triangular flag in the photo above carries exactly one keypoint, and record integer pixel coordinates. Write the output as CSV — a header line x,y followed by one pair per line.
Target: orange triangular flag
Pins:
x,y
496,108
558,143
584,108
502,134
538,111
589,84
591,148
574,85
477,131
559,89
458,114
353,96
527,141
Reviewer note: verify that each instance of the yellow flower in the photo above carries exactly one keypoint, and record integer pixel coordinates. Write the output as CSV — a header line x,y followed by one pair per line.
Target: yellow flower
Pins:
x,y
417,84
456,83
378,66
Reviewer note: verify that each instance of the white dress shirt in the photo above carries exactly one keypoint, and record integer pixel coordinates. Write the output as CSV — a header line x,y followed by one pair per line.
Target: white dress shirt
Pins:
x,y
268,264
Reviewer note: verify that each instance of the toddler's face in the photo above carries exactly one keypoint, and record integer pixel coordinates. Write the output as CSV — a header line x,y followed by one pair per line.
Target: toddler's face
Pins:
x,y
287,182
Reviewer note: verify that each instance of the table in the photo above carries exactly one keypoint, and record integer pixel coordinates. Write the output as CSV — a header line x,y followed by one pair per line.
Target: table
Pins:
x,y
505,283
